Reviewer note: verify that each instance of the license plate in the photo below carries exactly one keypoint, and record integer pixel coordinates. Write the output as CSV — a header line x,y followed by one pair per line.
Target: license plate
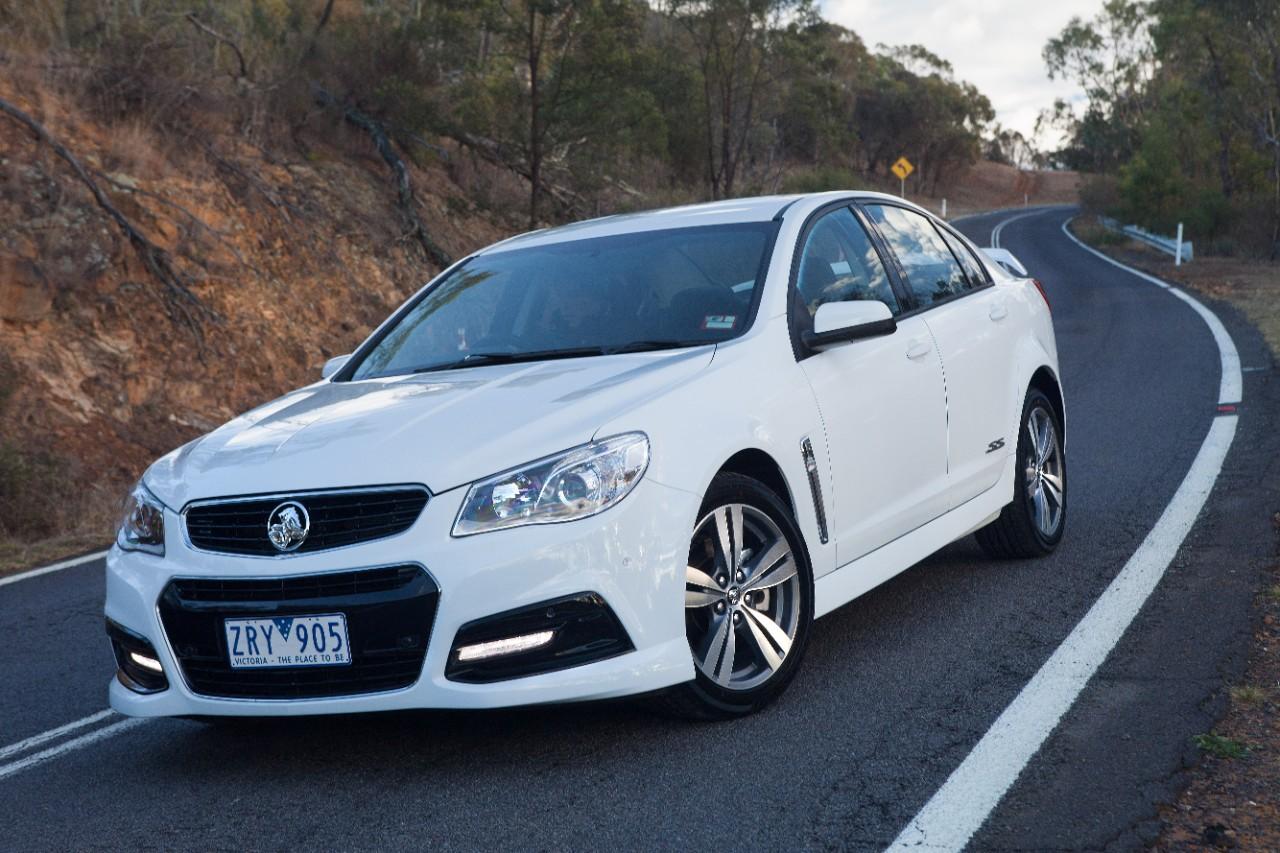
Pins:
x,y
288,641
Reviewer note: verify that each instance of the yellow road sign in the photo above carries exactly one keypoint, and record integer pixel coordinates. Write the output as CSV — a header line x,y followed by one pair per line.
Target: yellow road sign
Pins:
x,y
902,168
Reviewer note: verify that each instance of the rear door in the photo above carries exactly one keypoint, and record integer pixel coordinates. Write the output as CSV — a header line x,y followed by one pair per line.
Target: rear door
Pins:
x,y
966,315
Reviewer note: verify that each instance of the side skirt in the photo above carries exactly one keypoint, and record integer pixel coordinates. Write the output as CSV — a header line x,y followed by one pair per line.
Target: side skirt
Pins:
x,y
870,570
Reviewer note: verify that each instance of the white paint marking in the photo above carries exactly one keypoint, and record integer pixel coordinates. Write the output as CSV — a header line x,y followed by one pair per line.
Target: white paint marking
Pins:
x,y
1231,386
975,788
1139,273
995,232
81,742
44,737
56,567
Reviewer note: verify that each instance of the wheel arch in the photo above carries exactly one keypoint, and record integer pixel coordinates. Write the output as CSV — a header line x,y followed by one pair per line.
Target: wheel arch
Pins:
x,y
1046,381
759,465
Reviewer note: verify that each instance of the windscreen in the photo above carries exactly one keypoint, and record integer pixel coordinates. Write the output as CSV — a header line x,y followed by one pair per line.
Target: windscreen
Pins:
x,y
630,292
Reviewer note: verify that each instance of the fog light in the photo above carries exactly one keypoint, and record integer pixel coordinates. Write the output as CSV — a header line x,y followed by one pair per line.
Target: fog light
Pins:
x,y
550,635
144,661
138,665
510,645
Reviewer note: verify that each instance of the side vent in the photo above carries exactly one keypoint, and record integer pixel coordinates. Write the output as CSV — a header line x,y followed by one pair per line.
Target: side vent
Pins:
x,y
815,487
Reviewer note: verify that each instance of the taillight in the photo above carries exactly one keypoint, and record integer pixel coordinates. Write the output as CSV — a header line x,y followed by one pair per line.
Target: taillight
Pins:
x,y
1045,296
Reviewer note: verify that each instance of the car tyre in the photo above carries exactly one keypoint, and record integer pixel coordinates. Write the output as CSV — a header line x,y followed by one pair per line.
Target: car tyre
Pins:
x,y
748,602
1033,523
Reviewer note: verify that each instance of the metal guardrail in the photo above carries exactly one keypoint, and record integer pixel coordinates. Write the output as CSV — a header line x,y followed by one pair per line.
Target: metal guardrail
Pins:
x,y
1164,244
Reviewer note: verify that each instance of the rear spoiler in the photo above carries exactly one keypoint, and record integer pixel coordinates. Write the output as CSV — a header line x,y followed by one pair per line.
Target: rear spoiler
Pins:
x,y
1006,259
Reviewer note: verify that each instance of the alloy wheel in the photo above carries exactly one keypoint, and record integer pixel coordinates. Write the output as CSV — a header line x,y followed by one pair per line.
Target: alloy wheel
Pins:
x,y
1043,470
742,597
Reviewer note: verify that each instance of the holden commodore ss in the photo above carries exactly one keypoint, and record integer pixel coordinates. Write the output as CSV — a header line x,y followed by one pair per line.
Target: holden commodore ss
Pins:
x,y
634,455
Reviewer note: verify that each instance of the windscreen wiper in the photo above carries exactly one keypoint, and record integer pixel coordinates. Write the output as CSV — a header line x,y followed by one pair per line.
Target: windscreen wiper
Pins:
x,y
480,359
644,346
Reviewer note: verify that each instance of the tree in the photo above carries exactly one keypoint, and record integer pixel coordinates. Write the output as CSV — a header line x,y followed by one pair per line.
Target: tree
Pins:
x,y
1112,58
1013,149
561,77
735,44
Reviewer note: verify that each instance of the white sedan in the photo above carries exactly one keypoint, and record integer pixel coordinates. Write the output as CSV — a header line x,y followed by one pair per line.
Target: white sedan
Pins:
x,y
639,454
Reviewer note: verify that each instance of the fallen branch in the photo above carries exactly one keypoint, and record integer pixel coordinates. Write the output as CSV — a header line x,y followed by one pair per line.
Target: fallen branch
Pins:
x,y
405,197
199,223
183,305
569,202
254,182
217,36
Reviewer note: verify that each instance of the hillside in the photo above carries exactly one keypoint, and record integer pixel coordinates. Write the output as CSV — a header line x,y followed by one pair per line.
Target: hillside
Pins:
x,y
282,258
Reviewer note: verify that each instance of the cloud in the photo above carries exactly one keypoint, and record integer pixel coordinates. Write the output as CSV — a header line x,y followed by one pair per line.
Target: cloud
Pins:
x,y
994,44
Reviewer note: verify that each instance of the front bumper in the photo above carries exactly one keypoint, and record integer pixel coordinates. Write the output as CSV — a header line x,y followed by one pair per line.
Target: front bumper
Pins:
x,y
632,556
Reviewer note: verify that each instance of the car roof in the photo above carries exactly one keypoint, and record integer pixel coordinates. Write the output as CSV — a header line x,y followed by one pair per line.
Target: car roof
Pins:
x,y
726,212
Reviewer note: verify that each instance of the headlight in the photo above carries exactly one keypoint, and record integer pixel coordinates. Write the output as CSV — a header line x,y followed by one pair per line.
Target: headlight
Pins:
x,y
143,526
570,485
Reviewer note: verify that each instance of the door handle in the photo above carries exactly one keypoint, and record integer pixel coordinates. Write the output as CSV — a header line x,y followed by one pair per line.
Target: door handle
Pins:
x,y
998,311
918,347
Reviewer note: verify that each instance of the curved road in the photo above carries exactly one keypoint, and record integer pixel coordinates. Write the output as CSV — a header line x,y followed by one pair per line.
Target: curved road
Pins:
x,y
897,688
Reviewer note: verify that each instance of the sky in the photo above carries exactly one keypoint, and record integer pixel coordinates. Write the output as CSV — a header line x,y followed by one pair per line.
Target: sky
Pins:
x,y
994,44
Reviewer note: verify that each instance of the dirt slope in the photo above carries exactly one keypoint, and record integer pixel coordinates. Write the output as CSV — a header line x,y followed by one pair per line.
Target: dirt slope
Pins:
x,y
295,261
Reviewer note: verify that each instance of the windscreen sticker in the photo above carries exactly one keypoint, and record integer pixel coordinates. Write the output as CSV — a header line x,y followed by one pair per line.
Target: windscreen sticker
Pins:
x,y
841,268
719,321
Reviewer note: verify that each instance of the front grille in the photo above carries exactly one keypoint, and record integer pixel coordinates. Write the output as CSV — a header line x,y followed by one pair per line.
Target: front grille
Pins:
x,y
389,614
239,526
295,588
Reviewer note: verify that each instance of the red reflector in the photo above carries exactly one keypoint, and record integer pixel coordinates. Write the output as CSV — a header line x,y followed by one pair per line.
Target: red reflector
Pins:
x,y
1043,295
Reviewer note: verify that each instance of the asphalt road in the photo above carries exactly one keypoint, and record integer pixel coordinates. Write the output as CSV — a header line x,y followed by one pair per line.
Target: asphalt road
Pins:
x,y
896,689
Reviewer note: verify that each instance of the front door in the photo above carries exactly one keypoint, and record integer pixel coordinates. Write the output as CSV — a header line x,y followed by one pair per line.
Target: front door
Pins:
x,y
882,399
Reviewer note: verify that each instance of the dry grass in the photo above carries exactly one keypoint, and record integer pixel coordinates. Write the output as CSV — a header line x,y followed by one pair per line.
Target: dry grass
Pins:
x,y
18,556
133,150
1248,694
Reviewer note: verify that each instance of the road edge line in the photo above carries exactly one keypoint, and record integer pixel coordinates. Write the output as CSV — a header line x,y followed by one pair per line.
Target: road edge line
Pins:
x,y
967,798
55,567
7,770
44,737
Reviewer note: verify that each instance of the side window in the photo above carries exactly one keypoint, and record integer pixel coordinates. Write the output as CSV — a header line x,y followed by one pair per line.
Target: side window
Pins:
x,y
932,271
974,270
839,264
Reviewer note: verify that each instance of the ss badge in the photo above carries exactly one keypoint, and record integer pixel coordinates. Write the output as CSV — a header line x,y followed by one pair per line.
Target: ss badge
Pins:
x,y
995,445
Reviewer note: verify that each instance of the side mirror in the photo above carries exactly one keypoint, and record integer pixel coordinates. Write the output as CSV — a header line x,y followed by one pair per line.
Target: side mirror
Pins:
x,y
838,322
333,365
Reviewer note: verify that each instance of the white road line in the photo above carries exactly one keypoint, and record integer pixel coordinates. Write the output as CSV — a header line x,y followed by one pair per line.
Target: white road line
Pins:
x,y
1139,273
81,742
995,232
44,737
56,567
975,788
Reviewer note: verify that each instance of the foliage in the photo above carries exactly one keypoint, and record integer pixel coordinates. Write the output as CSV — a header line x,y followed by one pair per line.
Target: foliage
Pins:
x,y
1220,746
1183,109
28,508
